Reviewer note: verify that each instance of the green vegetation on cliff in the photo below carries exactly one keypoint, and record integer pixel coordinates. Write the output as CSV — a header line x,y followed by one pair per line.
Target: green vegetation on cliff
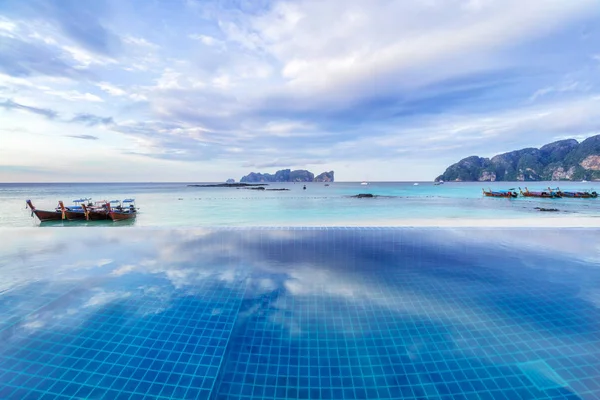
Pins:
x,y
561,160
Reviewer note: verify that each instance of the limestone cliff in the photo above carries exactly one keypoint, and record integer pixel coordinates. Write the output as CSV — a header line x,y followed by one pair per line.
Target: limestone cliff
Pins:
x,y
324,177
561,160
287,175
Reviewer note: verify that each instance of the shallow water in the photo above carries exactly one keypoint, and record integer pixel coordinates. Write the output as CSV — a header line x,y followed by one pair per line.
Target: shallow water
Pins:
x,y
300,313
177,205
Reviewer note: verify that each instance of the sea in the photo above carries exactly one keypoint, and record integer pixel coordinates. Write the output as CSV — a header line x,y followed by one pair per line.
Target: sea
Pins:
x,y
180,205
238,294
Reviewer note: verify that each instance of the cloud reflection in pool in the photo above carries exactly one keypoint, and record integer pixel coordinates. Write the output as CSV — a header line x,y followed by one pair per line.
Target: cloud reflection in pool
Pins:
x,y
334,313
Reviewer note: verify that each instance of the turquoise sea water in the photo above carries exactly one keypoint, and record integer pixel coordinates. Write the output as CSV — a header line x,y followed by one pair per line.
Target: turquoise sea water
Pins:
x,y
176,205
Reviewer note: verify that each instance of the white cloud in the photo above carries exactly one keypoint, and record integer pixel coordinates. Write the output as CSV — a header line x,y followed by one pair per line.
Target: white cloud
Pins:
x,y
136,67
46,39
287,128
459,133
85,59
101,297
207,40
7,80
367,40
125,269
222,81
139,41
74,95
169,80
567,86
7,27
138,97
111,89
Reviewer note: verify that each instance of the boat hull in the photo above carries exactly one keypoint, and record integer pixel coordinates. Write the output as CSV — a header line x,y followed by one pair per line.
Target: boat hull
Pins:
x,y
96,213
550,194
579,195
505,194
118,216
44,216
98,216
542,196
508,196
74,215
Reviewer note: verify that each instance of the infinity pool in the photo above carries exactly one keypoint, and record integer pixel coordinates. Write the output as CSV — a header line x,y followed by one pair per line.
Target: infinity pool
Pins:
x,y
299,314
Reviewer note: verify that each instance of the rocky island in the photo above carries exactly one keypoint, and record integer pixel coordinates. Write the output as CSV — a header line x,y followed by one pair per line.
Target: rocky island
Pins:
x,y
287,175
566,160
235,185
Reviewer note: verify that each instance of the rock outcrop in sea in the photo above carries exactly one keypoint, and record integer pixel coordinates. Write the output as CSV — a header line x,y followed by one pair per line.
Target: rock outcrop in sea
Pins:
x,y
324,177
562,160
287,175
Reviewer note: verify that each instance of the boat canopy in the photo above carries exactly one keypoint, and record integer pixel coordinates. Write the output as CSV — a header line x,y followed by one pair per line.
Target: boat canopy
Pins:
x,y
128,200
114,201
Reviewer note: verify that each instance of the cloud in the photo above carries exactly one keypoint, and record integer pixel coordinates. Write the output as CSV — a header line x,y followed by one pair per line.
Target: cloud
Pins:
x,y
21,58
401,43
83,118
74,95
138,41
92,120
83,23
369,77
569,86
111,89
11,105
207,40
84,137
101,297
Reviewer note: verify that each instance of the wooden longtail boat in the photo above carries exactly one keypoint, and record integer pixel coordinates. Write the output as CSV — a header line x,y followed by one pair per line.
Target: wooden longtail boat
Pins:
x,y
120,213
97,212
544,194
73,212
500,193
579,195
44,215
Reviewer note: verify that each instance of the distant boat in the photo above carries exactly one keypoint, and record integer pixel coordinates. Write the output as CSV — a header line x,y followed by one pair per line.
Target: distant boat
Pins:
x,y
581,195
584,181
549,194
440,182
415,184
364,183
121,212
511,193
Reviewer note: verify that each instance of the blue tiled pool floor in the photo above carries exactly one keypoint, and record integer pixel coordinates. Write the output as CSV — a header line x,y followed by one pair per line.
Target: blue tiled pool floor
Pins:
x,y
301,314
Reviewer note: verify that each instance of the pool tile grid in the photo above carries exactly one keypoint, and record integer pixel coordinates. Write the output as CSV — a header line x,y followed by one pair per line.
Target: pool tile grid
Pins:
x,y
130,370
310,342
38,298
504,381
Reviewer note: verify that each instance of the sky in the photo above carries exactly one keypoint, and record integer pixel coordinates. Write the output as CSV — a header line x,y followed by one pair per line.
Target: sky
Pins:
x,y
204,90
